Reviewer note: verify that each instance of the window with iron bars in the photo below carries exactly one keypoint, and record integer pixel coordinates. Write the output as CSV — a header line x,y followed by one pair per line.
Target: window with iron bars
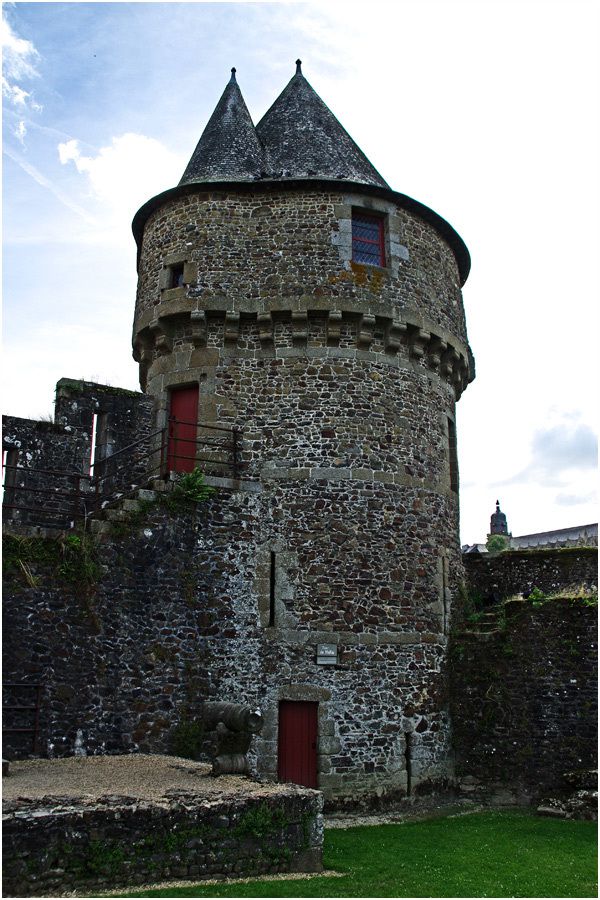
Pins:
x,y
368,239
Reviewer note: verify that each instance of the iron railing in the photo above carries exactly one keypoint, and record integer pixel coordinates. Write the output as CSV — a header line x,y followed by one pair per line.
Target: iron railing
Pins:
x,y
56,498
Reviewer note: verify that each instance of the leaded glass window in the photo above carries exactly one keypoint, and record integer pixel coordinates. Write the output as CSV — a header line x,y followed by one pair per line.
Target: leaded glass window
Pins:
x,y
367,239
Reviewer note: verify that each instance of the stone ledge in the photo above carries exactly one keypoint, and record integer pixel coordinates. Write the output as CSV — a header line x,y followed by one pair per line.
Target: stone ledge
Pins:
x,y
58,844
233,484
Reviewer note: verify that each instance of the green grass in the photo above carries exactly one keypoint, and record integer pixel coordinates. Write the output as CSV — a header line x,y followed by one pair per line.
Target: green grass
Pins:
x,y
489,854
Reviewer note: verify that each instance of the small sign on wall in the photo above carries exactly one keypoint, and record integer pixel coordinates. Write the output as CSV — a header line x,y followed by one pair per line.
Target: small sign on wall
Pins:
x,y
326,654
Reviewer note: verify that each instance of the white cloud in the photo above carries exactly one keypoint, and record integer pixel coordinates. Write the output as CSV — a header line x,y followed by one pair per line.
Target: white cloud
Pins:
x,y
14,93
19,56
19,59
69,150
20,132
46,183
126,173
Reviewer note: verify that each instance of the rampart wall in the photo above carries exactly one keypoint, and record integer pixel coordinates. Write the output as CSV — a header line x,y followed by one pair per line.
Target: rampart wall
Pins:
x,y
524,700
495,577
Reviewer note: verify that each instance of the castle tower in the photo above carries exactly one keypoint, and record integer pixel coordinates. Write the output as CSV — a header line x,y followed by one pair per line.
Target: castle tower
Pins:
x,y
286,289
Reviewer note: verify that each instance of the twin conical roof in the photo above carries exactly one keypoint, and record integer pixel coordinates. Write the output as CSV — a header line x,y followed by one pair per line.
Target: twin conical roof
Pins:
x,y
298,137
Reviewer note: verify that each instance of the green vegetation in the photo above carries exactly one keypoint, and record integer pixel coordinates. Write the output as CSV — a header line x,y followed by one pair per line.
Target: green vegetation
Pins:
x,y
189,488
577,594
70,559
186,739
497,543
260,822
493,854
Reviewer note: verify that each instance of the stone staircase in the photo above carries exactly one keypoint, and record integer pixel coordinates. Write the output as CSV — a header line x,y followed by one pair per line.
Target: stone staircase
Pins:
x,y
121,508
487,623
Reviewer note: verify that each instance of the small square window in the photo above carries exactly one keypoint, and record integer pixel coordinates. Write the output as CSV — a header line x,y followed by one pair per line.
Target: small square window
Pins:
x,y
368,240
176,275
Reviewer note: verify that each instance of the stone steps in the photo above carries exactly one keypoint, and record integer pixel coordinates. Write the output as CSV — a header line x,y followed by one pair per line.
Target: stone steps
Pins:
x,y
121,508
487,624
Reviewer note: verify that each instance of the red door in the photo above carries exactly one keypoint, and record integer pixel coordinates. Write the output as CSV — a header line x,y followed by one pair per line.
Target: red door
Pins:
x,y
298,742
183,419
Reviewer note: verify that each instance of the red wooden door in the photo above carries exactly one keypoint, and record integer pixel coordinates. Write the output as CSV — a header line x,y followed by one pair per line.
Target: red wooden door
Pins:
x,y
298,742
183,418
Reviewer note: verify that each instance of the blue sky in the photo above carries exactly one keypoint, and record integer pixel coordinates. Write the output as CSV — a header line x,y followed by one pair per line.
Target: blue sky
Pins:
x,y
487,112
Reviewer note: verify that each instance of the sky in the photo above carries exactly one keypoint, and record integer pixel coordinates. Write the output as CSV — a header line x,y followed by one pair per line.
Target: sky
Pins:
x,y
485,111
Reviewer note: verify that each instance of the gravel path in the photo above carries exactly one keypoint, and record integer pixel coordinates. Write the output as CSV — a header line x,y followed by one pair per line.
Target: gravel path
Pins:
x,y
141,776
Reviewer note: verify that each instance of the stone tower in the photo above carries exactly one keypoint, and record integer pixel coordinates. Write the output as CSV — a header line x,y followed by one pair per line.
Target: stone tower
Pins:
x,y
298,297
498,523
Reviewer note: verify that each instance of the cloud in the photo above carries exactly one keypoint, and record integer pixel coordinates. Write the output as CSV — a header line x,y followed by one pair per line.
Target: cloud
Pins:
x,y
20,60
126,173
46,183
562,447
575,499
560,453
20,132
19,55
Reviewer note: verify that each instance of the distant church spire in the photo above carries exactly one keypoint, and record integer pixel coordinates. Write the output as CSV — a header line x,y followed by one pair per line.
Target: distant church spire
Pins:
x,y
229,149
498,523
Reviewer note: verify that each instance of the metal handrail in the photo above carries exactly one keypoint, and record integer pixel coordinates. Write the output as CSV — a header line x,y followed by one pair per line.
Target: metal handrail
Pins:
x,y
129,447
105,472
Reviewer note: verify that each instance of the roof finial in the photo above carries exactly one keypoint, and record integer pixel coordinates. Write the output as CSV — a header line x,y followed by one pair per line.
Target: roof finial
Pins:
x,y
298,67
233,71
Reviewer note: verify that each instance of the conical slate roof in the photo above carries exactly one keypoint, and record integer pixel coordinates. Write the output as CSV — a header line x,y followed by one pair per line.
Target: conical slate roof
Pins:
x,y
303,139
229,149
298,137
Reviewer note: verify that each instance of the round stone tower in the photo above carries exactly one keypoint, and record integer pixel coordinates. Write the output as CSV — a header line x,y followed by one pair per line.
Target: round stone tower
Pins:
x,y
296,296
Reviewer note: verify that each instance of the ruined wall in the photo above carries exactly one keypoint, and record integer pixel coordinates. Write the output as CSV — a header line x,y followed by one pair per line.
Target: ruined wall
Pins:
x,y
52,845
116,633
493,578
44,452
524,700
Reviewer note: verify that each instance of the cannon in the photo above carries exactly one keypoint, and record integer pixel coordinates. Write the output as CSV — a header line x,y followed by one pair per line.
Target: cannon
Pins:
x,y
232,726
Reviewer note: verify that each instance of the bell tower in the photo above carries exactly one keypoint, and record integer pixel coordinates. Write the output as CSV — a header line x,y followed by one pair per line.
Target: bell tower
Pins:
x,y
301,299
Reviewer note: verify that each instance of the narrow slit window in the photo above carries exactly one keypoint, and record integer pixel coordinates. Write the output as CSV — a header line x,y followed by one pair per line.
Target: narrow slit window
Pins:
x,y
445,586
453,455
10,462
272,591
368,239
408,761
93,443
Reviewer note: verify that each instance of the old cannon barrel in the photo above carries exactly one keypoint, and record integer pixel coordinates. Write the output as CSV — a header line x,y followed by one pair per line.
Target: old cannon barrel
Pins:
x,y
235,716
231,764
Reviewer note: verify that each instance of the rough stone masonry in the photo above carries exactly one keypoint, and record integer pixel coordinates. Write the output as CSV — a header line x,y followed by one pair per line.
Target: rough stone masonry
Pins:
x,y
322,583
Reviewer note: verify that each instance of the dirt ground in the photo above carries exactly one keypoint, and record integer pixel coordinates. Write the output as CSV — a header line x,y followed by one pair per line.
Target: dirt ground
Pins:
x,y
153,777
140,776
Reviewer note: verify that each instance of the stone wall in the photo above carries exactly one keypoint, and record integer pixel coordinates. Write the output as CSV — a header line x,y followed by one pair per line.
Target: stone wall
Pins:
x,y
53,844
44,452
44,498
495,577
524,700
174,613
344,379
